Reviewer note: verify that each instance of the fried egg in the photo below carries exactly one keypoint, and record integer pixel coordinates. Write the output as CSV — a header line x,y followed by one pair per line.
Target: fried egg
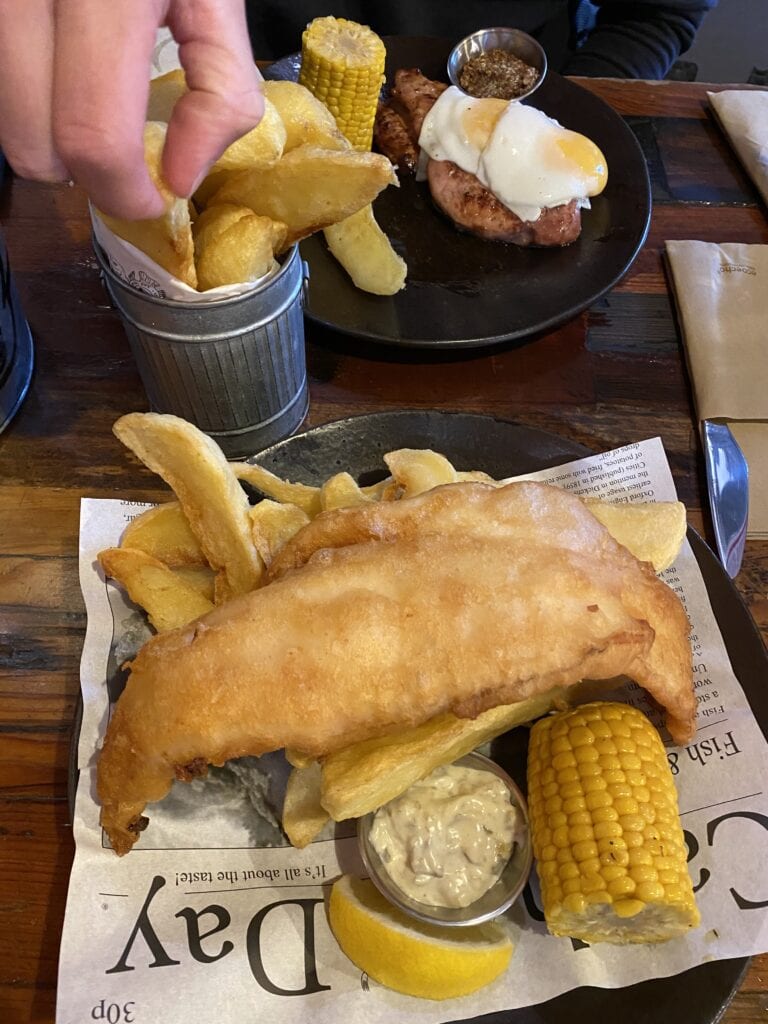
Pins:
x,y
528,160
458,127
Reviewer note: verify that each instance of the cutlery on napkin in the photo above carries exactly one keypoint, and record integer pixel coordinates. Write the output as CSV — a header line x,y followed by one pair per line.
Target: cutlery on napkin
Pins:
x,y
743,116
721,291
728,488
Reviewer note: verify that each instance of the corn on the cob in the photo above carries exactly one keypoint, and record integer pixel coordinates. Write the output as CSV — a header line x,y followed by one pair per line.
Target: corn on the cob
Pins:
x,y
606,829
342,64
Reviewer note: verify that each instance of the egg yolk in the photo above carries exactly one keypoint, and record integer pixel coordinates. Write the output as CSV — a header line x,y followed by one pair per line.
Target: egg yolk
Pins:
x,y
584,154
479,120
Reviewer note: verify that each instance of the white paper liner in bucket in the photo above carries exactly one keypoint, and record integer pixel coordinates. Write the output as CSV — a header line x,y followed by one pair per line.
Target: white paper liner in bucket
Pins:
x,y
230,360
142,273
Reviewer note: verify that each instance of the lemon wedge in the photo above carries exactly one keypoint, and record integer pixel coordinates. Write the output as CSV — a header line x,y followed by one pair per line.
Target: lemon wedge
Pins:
x,y
410,957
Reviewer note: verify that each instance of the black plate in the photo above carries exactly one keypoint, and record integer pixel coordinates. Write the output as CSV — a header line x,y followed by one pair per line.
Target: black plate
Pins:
x,y
697,996
461,290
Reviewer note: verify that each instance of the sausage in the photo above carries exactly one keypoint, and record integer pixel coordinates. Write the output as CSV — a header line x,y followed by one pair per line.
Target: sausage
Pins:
x,y
471,207
413,96
393,139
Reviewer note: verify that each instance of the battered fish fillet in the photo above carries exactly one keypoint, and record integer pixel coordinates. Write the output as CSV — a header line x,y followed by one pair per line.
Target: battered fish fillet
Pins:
x,y
522,513
384,616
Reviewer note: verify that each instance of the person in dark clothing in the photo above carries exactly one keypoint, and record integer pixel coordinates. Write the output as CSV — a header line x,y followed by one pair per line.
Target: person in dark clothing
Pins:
x,y
74,87
608,38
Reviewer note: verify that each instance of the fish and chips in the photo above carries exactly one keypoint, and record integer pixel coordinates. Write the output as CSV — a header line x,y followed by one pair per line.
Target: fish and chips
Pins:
x,y
377,639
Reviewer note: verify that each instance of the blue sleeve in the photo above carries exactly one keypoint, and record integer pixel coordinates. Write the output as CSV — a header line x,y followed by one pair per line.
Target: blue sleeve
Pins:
x,y
638,38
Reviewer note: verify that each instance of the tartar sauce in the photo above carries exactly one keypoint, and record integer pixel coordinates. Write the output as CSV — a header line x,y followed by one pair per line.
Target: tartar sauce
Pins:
x,y
446,840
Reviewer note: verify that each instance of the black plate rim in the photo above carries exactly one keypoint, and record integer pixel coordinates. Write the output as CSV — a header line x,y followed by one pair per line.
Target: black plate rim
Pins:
x,y
290,63
725,975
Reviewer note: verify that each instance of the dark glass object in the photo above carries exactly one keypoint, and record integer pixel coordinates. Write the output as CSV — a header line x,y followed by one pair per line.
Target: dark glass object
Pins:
x,y
16,352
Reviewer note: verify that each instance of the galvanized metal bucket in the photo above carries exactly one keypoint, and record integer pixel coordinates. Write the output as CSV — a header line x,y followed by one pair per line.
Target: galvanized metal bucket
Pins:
x,y
236,368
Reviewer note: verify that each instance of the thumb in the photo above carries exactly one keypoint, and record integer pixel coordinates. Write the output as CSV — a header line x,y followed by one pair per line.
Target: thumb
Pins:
x,y
224,100
202,125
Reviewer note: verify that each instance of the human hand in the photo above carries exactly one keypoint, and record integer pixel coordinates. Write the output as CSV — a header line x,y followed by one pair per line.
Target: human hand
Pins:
x,y
75,83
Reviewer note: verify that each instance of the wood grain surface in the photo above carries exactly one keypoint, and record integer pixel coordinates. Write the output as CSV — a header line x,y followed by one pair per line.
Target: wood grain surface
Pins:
x,y
613,375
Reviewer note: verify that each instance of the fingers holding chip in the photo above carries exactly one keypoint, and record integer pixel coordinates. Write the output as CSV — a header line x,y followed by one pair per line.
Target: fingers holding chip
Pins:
x,y
295,169
167,239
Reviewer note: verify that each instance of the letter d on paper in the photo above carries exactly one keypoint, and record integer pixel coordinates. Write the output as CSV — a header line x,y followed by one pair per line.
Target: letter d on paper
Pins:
x,y
253,944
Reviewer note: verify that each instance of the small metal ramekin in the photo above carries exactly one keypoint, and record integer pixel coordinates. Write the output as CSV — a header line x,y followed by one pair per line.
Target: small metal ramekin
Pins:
x,y
495,901
510,39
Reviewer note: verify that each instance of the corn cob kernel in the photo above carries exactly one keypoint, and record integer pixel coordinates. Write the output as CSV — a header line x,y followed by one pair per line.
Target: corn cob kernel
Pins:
x,y
613,866
342,64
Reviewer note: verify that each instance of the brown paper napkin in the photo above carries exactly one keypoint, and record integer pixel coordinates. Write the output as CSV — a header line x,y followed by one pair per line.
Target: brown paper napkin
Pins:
x,y
722,298
743,115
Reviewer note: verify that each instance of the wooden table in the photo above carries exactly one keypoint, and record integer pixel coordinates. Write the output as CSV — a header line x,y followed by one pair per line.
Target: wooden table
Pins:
x,y
613,375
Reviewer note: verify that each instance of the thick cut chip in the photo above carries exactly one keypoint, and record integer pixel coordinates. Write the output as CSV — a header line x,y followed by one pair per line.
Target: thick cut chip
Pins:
x,y
168,600
262,146
304,817
365,252
474,476
377,491
164,533
310,188
234,245
652,532
338,491
222,591
199,577
213,501
168,239
273,526
307,121
417,470
341,491
366,775
209,186
164,91
303,495
297,759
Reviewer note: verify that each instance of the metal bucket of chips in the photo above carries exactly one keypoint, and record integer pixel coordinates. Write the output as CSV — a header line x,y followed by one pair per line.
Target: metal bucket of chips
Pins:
x,y
235,367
